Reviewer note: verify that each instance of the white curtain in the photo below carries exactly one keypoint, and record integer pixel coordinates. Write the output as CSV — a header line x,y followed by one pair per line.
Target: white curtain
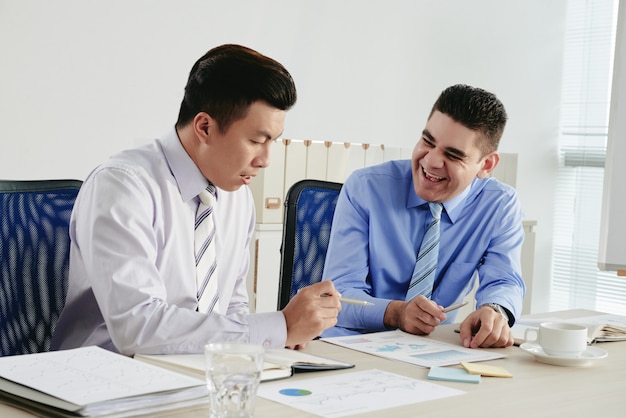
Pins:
x,y
588,63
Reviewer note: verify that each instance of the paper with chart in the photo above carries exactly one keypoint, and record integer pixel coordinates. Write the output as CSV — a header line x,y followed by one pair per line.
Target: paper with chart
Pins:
x,y
414,349
351,393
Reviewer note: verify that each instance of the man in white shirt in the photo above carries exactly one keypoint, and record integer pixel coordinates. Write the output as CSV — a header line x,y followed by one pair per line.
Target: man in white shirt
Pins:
x,y
132,280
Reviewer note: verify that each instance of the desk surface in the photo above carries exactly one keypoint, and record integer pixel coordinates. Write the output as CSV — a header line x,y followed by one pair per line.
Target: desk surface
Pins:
x,y
536,389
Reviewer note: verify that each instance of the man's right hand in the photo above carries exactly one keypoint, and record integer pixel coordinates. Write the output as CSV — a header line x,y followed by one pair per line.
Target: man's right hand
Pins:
x,y
312,310
418,316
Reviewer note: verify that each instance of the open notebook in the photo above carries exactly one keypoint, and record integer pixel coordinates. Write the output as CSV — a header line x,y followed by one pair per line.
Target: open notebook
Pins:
x,y
279,363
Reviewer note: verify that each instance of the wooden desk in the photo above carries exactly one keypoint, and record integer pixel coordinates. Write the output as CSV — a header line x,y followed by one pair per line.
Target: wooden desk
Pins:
x,y
536,389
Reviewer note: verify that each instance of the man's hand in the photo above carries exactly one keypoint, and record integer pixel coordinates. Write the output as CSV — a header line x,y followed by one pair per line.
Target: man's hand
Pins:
x,y
312,310
417,316
486,328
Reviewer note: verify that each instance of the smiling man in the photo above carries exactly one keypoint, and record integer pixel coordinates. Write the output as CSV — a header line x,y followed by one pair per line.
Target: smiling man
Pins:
x,y
138,283
383,214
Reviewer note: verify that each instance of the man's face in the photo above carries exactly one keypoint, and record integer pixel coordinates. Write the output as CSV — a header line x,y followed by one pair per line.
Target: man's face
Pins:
x,y
231,159
446,159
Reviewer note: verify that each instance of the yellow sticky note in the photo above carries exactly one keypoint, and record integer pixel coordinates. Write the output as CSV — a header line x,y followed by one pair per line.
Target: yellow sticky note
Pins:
x,y
485,370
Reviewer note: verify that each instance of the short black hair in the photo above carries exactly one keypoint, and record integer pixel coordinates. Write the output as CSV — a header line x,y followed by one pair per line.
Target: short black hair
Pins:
x,y
476,109
228,79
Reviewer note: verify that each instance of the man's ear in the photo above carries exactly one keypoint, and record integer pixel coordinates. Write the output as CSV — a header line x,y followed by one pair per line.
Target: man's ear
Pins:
x,y
203,126
489,163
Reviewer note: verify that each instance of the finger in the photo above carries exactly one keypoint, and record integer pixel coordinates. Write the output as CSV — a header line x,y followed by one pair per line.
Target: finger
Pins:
x,y
325,286
432,309
419,322
465,332
468,329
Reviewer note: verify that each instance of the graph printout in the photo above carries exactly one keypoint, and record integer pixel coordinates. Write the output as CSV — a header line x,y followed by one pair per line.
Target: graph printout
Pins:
x,y
88,375
352,393
414,349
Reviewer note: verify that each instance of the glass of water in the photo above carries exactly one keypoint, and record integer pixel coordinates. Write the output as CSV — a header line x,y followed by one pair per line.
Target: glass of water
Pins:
x,y
233,372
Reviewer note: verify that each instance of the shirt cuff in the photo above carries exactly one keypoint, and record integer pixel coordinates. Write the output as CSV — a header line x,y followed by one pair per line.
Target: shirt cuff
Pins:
x,y
268,329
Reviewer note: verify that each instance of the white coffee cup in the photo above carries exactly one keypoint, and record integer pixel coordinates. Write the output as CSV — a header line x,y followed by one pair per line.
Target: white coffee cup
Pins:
x,y
559,338
233,373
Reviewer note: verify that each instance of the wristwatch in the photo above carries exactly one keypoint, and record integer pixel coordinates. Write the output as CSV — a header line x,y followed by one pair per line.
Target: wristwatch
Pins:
x,y
498,309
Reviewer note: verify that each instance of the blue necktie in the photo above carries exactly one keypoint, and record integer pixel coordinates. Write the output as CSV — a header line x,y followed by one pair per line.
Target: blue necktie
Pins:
x,y
204,243
423,276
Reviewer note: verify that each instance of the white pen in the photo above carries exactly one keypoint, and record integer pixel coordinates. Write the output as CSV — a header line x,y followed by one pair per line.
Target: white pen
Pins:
x,y
455,306
356,302
351,301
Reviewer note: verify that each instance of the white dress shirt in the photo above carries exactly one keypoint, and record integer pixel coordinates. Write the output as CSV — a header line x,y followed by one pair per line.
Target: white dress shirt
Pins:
x,y
132,285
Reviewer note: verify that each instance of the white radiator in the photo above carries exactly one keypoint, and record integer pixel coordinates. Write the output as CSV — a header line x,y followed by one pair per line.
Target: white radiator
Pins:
x,y
294,160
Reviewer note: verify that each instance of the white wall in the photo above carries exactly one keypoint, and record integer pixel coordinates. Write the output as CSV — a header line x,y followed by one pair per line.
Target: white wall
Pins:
x,y
81,79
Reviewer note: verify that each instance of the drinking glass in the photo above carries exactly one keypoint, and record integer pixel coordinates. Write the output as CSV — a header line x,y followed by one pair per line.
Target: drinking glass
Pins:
x,y
233,372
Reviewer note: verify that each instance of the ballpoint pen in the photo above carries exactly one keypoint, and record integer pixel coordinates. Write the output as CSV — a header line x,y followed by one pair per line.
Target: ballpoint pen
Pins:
x,y
455,306
351,301
356,302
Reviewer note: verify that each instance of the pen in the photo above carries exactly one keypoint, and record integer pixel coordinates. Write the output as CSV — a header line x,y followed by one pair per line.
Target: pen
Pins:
x,y
356,302
351,301
455,306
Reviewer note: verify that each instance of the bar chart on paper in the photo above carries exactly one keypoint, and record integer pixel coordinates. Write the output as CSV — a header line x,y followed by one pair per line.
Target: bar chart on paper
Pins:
x,y
414,349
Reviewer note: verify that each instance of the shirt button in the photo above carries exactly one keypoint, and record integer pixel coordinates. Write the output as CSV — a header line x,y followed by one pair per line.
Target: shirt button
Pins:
x,y
266,344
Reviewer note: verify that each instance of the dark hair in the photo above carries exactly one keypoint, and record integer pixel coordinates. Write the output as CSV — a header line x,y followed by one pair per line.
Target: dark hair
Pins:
x,y
476,109
228,79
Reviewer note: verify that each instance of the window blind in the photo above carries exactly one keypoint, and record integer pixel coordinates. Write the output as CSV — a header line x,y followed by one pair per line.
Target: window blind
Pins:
x,y
577,281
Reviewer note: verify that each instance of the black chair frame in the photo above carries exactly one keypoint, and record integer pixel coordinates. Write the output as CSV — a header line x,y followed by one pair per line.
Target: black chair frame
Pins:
x,y
292,224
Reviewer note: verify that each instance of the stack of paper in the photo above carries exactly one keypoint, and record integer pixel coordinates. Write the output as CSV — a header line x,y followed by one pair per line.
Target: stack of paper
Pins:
x,y
452,375
91,381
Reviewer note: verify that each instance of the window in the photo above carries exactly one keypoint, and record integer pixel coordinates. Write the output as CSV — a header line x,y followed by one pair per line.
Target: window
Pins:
x,y
588,63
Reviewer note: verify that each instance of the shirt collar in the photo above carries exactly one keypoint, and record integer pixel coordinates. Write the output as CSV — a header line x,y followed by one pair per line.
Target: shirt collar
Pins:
x,y
453,206
189,178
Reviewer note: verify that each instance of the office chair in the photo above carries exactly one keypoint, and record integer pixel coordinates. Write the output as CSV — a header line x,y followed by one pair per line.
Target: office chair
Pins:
x,y
34,260
309,210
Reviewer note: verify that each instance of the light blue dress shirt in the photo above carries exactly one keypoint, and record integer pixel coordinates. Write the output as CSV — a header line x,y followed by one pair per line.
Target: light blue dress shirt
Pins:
x,y
377,229
132,278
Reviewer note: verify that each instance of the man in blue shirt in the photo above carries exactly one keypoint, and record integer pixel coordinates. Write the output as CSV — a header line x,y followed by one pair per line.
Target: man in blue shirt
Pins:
x,y
383,213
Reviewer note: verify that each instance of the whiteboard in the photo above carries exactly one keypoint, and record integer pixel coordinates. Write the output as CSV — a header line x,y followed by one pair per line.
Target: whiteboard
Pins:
x,y
612,249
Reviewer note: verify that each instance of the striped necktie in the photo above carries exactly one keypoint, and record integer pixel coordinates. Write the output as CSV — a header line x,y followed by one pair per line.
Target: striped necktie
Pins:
x,y
423,276
204,243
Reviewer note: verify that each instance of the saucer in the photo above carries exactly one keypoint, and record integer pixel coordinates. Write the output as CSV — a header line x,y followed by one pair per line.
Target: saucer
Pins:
x,y
583,359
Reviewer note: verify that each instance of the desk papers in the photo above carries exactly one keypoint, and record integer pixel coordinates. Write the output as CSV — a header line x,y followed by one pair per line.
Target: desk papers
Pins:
x,y
351,393
414,349
91,381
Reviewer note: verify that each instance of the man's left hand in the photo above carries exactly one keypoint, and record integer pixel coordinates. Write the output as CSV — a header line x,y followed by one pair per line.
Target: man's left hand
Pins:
x,y
486,328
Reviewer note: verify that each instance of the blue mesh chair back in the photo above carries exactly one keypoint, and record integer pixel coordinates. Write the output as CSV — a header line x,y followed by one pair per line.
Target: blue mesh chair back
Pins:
x,y
34,260
309,210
